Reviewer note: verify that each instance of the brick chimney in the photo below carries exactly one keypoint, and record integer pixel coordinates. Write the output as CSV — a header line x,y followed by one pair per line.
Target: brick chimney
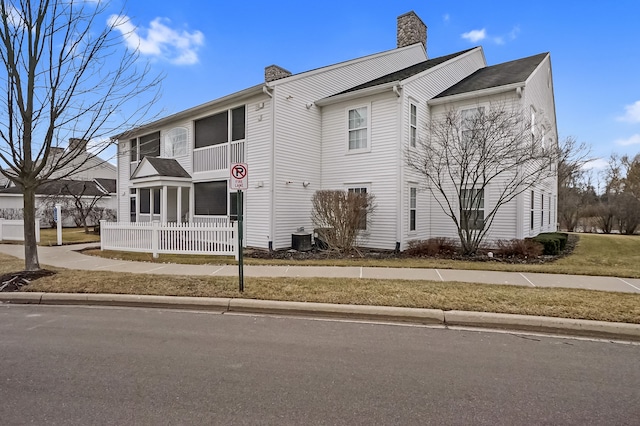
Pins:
x,y
411,30
274,72
76,144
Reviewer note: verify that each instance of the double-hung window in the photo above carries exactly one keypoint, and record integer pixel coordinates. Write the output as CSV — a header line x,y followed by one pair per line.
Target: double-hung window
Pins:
x,y
413,204
413,125
362,224
470,122
532,210
359,128
175,142
472,209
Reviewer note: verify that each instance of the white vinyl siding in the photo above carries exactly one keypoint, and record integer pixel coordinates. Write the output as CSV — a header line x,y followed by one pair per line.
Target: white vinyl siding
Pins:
x,y
299,140
379,167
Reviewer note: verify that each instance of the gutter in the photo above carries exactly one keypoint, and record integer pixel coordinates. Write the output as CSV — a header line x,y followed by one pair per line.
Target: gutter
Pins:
x,y
392,85
476,93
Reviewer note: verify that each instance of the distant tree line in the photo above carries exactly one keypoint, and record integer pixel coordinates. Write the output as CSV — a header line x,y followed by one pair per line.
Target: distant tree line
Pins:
x,y
608,201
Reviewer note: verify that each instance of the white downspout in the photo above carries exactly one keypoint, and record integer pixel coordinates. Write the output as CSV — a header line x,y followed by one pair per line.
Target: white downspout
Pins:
x,y
272,189
400,184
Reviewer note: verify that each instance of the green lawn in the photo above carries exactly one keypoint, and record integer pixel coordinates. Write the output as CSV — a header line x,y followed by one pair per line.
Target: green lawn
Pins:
x,y
595,254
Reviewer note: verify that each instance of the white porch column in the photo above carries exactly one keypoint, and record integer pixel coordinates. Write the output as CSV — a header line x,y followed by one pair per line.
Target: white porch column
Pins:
x,y
192,203
151,204
137,205
179,204
163,208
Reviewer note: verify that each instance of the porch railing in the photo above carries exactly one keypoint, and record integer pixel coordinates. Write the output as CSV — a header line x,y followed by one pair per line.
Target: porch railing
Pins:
x,y
13,230
218,157
169,238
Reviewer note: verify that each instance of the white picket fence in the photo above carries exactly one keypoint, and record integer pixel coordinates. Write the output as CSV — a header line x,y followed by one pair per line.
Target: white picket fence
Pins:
x,y
170,238
13,230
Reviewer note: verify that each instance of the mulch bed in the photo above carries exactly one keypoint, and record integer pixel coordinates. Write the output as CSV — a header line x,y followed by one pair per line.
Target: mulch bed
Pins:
x,y
318,254
14,281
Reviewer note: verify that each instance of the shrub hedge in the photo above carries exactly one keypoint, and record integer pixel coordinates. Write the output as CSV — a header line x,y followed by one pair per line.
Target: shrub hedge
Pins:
x,y
553,242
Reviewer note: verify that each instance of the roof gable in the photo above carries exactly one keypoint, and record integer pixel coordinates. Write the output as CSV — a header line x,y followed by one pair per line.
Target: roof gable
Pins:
x,y
504,74
155,166
406,73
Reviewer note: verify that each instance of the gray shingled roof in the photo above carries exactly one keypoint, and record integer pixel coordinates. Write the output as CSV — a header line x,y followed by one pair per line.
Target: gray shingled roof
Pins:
x,y
168,167
406,72
64,187
496,75
108,184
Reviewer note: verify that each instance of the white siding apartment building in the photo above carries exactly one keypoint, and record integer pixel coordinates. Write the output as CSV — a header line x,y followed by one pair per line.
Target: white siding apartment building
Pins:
x,y
344,126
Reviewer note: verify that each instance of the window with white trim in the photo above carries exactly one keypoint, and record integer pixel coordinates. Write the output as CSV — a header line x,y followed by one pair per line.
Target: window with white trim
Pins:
x,y
470,121
472,208
413,205
175,142
358,128
532,210
145,146
363,217
533,125
413,124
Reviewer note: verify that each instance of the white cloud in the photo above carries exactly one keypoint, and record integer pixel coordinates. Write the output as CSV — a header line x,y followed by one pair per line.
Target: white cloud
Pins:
x,y
633,140
159,40
475,36
514,32
632,113
446,17
595,164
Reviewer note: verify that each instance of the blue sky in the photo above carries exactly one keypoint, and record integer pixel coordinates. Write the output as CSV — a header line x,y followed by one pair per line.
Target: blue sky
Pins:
x,y
207,49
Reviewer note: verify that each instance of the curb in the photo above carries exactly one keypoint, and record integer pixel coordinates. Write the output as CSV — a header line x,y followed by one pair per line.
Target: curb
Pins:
x,y
551,325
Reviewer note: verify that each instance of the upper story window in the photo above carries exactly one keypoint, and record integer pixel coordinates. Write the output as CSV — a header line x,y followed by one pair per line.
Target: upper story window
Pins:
x,y
471,120
413,125
145,146
359,128
221,128
175,142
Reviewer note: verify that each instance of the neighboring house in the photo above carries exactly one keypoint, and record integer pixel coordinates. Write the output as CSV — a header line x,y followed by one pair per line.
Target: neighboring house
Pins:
x,y
345,126
92,178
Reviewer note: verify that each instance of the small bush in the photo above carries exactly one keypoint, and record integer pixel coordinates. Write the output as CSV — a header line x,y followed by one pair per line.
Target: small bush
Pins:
x,y
432,247
553,242
518,248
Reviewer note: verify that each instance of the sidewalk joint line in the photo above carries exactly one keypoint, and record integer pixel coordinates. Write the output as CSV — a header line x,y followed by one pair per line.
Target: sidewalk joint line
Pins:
x,y
217,270
529,281
438,272
111,266
361,271
629,284
155,269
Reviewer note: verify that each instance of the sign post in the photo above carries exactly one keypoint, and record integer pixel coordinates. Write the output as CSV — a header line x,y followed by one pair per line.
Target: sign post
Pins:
x,y
57,217
238,180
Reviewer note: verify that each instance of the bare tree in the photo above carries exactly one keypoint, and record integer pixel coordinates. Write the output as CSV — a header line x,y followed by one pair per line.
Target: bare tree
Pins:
x,y
573,182
341,217
84,201
468,152
66,74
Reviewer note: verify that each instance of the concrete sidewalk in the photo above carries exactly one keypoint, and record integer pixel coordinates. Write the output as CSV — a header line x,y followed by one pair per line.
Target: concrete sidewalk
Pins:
x,y
69,257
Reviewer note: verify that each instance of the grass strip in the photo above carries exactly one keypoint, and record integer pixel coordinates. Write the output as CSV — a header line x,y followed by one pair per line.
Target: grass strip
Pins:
x,y
595,254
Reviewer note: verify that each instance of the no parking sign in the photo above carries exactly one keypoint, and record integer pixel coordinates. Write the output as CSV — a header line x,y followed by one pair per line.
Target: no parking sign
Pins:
x,y
238,178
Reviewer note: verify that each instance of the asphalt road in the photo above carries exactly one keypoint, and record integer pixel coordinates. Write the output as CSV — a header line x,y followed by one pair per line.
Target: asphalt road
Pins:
x,y
84,365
